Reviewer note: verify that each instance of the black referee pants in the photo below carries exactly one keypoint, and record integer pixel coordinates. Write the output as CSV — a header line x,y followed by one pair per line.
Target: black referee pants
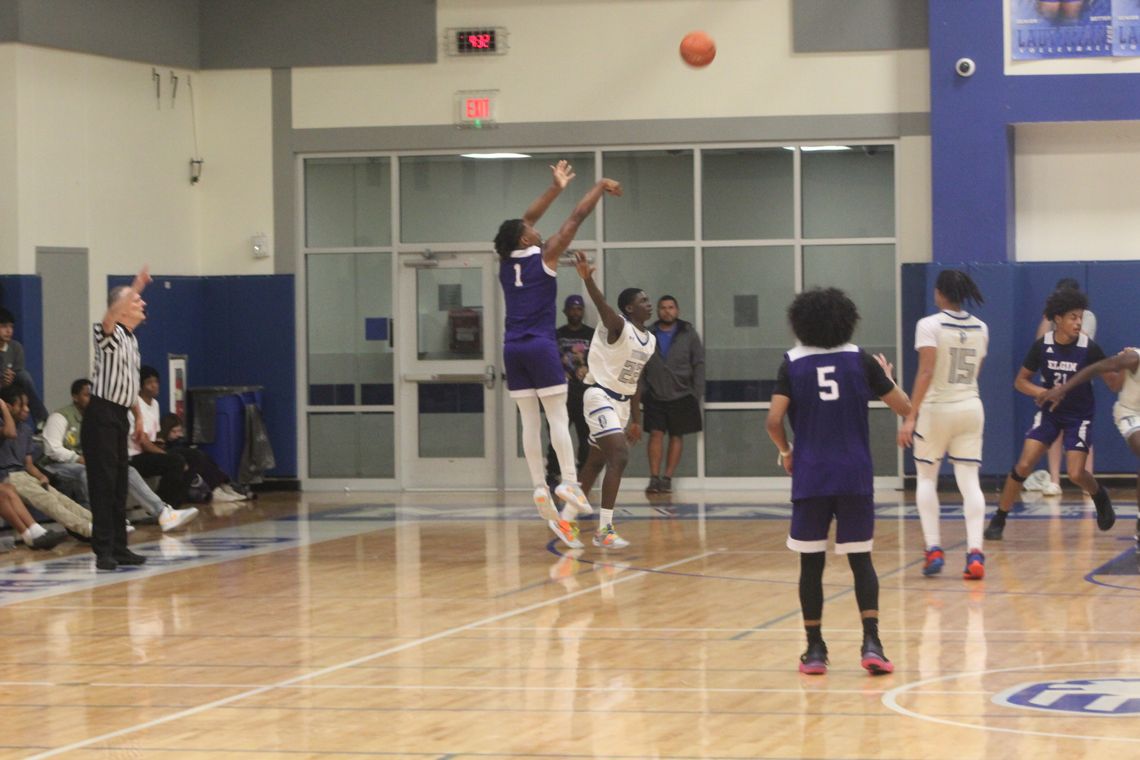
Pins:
x,y
104,440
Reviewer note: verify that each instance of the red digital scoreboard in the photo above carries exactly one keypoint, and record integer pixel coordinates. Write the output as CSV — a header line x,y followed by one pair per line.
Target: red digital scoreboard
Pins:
x,y
476,41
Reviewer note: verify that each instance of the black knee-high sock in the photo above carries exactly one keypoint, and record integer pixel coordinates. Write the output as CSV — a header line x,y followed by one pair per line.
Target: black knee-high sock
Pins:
x,y
811,590
866,589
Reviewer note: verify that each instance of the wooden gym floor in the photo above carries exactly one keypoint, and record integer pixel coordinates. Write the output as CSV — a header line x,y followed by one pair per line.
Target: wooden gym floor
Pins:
x,y
451,627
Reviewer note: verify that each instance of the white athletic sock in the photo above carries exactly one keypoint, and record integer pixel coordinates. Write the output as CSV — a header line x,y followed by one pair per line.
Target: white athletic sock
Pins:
x,y
32,533
926,498
605,518
973,503
558,419
532,438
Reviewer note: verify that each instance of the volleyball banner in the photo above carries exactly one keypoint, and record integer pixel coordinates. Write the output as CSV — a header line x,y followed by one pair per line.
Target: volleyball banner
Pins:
x,y
1070,29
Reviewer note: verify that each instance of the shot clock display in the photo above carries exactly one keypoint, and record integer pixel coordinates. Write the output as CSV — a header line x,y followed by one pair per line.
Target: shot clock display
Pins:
x,y
489,40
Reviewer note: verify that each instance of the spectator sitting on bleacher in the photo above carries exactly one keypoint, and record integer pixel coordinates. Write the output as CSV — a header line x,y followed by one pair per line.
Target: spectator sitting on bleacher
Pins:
x,y
63,458
31,484
173,439
147,457
14,512
12,365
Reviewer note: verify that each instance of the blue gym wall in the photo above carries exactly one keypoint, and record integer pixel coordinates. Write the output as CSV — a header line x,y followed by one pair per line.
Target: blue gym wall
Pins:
x,y
234,331
23,296
1015,297
972,152
971,126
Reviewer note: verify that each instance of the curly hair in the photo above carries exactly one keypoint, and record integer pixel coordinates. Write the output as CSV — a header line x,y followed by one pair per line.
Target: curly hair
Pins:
x,y
508,238
823,317
957,287
12,392
1063,301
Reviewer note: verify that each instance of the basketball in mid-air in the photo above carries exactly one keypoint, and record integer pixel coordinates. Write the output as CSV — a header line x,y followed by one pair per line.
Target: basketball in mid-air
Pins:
x,y
698,49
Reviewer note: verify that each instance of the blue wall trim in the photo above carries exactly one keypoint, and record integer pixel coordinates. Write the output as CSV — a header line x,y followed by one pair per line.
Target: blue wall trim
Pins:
x,y
971,132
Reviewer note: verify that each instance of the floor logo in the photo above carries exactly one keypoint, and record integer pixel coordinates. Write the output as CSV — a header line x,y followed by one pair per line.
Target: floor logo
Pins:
x,y
1094,696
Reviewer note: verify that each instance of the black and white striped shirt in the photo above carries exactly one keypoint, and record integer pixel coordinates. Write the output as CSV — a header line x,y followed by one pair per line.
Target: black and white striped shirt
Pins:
x,y
117,360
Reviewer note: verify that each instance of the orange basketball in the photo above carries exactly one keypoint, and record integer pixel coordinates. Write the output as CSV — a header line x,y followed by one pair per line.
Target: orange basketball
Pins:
x,y
698,49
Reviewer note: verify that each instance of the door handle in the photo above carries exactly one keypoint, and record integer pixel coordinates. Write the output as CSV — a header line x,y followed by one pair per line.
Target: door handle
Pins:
x,y
489,377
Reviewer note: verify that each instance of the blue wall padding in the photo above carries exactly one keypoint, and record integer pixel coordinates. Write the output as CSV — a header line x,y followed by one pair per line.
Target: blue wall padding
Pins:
x,y
24,297
1015,295
234,331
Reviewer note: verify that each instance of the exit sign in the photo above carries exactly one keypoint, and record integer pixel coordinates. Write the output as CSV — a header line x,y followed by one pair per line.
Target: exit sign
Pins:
x,y
475,109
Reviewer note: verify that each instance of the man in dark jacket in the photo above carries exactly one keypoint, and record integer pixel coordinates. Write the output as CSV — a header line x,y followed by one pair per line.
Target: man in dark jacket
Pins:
x,y
674,384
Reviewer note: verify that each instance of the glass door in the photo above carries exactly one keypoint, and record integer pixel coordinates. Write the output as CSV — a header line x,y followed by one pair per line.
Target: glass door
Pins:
x,y
451,428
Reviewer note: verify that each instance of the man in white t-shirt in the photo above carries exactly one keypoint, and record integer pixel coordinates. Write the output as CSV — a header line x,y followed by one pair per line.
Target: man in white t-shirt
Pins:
x,y
146,456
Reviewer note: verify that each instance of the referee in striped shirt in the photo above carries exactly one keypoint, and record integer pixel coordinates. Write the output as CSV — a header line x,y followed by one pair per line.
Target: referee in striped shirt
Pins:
x,y
114,392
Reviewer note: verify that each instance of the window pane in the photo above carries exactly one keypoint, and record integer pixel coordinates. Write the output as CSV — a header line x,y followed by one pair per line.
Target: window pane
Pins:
x,y
747,194
451,420
352,445
736,445
850,193
349,323
449,313
867,274
657,199
451,199
348,202
746,296
657,271
638,466
884,450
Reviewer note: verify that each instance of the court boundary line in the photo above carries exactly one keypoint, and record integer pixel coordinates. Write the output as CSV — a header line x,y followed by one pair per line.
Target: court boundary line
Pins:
x,y
189,712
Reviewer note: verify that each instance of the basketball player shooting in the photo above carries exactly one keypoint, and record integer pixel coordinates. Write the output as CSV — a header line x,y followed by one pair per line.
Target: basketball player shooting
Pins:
x,y
528,270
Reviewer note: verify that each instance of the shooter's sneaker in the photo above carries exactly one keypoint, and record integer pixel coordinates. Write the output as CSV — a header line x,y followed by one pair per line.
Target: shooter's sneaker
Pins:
x,y
544,503
813,662
935,559
874,661
607,538
572,494
1051,489
567,531
1105,516
975,566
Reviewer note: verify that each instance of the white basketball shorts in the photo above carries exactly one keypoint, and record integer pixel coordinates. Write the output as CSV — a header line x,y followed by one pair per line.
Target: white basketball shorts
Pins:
x,y
950,429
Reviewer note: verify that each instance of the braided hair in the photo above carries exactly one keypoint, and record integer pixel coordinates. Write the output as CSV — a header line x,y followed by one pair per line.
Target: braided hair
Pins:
x,y
957,287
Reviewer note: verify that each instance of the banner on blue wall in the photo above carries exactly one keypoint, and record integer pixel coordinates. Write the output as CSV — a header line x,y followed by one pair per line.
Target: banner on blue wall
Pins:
x,y
1068,29
1126,27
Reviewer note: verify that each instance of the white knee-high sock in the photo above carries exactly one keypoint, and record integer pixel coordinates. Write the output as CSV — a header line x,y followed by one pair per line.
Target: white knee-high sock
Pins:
x,y
558,419
973,502
926,498
532,438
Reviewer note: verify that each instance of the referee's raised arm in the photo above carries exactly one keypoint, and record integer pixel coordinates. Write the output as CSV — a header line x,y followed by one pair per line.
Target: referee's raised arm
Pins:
x,y
125,304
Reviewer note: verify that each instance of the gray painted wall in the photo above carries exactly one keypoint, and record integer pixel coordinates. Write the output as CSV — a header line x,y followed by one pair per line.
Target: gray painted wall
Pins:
x,y
230,34
153,31
290,33
9,29
825,26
